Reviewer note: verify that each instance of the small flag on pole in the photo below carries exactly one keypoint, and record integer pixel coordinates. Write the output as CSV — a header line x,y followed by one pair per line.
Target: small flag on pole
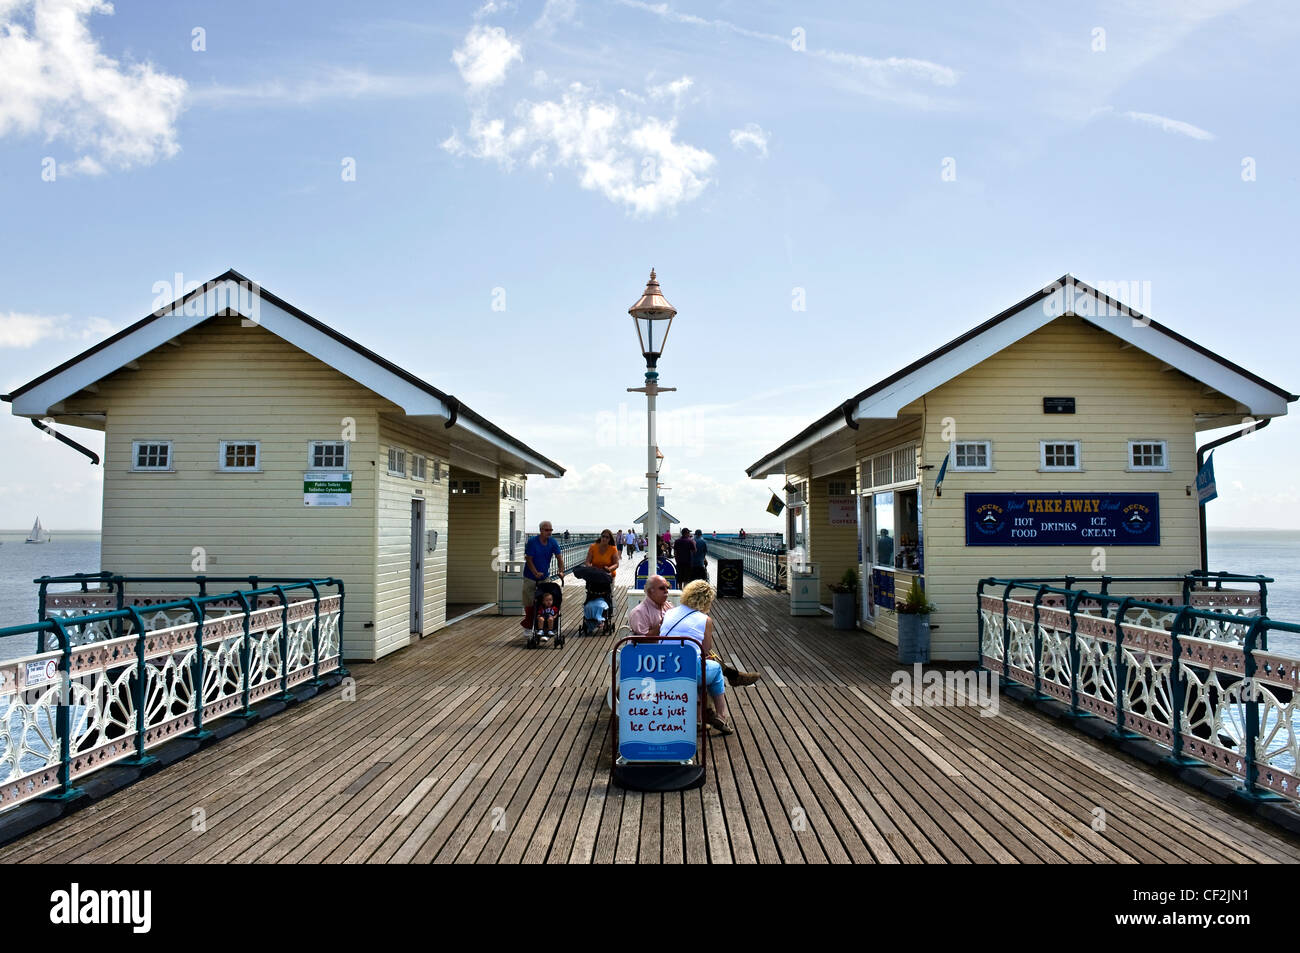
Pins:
x,y
1205,488
943,471
775,506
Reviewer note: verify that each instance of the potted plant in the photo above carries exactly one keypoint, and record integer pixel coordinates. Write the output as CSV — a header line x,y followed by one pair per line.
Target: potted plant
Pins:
x,y
844,600
914,624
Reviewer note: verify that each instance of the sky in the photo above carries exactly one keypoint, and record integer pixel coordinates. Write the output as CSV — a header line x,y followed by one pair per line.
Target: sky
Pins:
x,y
478,191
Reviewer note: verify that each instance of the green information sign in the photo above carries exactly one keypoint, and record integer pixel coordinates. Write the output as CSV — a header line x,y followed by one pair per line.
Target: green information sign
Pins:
x,y
328,488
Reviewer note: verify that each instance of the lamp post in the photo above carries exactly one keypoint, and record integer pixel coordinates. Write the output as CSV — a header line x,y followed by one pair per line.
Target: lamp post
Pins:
x,y
653,316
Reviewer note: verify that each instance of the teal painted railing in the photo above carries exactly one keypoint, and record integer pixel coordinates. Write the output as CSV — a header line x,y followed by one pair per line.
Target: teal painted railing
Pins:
x,y
131,672
1187,667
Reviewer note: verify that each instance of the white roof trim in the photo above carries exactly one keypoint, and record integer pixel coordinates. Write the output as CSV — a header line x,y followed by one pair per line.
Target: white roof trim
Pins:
x,y
777,464
1067,298
886,404
227,295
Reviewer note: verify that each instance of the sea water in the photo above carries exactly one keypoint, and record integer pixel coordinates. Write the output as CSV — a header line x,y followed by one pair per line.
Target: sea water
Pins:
x,y
21,562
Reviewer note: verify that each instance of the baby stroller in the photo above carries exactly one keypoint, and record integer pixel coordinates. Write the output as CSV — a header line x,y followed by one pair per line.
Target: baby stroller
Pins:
x,y
557,599
597,603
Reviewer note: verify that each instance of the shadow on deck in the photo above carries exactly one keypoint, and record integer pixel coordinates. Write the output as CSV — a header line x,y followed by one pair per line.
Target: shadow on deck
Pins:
x,y
466,747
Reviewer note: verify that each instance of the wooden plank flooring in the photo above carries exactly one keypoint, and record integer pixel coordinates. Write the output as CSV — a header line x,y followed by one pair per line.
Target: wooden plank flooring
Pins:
x,y
467,748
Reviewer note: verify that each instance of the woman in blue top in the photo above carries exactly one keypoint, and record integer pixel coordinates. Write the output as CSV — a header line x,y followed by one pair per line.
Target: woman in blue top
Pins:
x,y
692,618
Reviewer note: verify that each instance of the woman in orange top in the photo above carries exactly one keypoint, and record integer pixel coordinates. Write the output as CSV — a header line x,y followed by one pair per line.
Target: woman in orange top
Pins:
x,y
603,554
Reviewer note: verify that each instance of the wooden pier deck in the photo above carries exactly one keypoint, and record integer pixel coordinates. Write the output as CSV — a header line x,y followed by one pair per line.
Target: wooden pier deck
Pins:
x,y
467,748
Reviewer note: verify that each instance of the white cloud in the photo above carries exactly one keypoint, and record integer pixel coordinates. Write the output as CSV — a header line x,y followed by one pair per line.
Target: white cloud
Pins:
x,y
881,72
674,90
83,166
57,83
493,7
556,12
485,56
633,160
24,330
19,330
328,85
881,69
1170,125
751,136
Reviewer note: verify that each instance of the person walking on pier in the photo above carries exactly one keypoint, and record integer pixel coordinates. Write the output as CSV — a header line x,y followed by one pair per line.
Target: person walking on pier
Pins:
x,y
700,558
631,543
603,554
683,555
537,567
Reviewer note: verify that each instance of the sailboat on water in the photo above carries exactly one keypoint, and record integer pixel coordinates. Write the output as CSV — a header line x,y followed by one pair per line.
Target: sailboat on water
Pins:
x,y
39,534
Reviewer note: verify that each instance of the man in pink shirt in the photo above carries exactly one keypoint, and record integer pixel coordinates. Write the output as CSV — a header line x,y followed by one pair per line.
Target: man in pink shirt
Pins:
x,y
646,618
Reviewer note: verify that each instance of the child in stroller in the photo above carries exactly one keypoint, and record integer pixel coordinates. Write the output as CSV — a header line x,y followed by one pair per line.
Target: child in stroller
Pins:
x,y
546,616
597,603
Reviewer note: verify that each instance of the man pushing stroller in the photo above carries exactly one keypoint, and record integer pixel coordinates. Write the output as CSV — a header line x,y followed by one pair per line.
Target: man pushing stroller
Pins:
x,y
537,567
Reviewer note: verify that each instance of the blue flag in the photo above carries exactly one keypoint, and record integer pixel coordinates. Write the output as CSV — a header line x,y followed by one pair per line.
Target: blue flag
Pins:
x,y
943,471
1205,488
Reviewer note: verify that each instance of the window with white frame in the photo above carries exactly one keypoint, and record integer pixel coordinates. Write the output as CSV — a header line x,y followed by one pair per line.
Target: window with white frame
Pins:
x,y
396,462
1060,455
328,455
437,471
417,468
1148,455
240,456
151,455
972,455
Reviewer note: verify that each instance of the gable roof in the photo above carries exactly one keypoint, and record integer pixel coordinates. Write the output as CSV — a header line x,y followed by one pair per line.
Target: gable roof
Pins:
x,y
663,515
232,293
1059,299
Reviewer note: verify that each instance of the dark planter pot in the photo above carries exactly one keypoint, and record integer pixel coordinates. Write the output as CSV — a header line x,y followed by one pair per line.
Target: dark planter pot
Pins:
x,y
913,638
844,610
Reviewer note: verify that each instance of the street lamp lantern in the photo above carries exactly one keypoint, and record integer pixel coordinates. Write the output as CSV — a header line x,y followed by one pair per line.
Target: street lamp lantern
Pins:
x,y
653,316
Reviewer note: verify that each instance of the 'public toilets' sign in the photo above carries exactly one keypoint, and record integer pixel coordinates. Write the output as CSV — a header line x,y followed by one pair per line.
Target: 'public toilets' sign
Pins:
x,y
658,691
1062,519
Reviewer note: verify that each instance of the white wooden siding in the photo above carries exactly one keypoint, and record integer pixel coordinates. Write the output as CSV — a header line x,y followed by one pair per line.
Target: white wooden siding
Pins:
x,y
227,381
1121,394
393,538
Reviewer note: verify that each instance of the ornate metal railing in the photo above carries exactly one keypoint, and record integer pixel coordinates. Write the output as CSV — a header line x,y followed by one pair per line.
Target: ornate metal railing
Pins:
x,y
761,561
126,679
1192,672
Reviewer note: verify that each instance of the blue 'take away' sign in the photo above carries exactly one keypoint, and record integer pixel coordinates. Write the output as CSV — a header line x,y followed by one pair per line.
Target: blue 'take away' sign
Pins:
x,y
1062,519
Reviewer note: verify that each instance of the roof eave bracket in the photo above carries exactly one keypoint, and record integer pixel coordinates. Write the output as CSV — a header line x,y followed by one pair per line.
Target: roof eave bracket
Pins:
x,y
86,451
